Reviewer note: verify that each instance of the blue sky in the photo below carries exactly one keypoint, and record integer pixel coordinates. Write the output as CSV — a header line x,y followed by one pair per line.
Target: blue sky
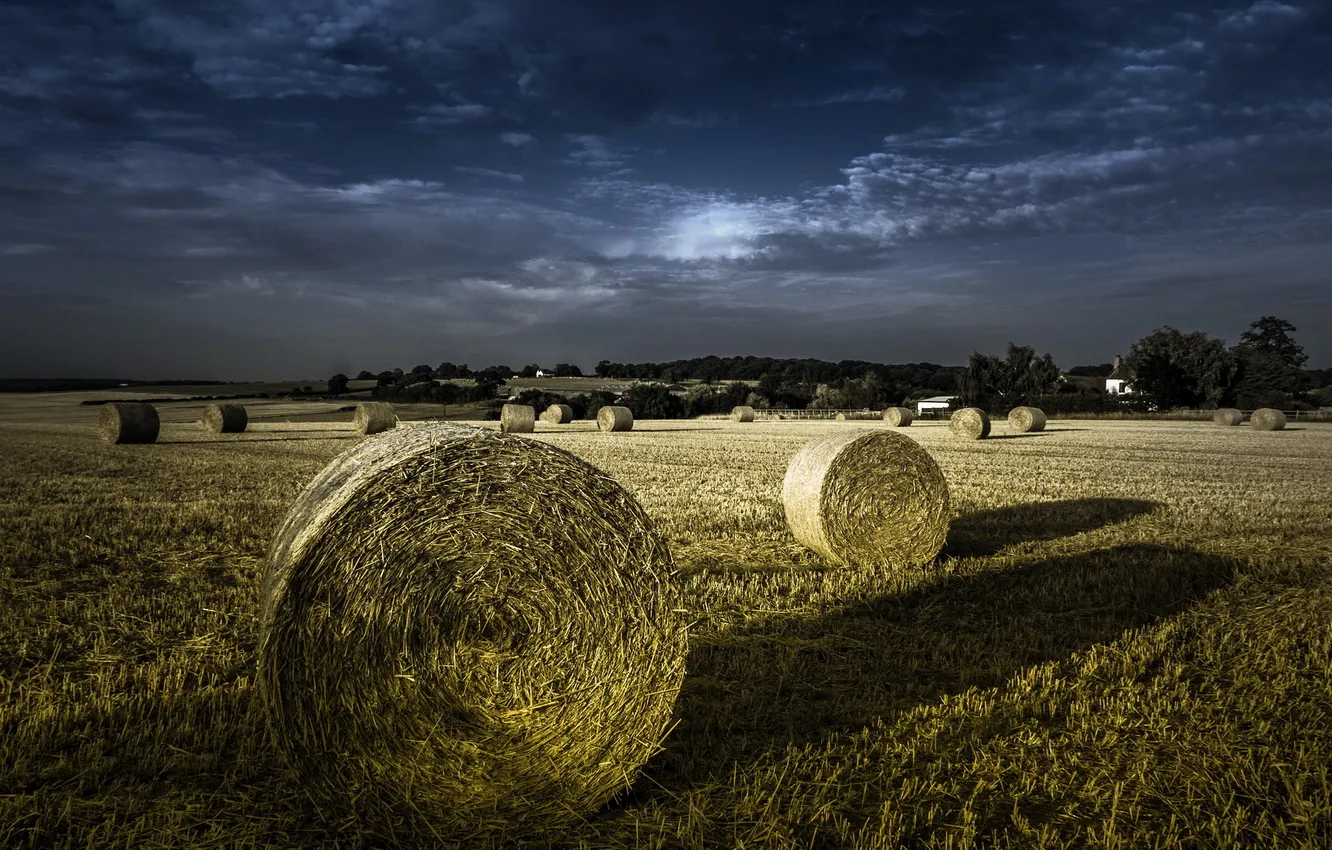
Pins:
x,y
263,189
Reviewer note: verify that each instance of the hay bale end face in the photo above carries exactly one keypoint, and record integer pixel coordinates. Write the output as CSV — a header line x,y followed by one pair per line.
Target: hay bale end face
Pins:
x,y
374,417
517,419
970,423
867,498
1267,419
129,422
558,414
742,413
1025,420
225,418
898,417
615,418
1227,416
447,652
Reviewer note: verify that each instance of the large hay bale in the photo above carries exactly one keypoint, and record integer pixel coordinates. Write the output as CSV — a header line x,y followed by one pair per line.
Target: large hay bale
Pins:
x,y
742,413
448,650
1024,420
517,419
898,417
970,423
1267,419
841,417
129,422
867,498
225,418
1227,416
615,418
374,417
557,414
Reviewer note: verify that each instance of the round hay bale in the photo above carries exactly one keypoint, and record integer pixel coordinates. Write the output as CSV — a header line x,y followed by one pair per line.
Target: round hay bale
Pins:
x,y
970,423
742,413
225,418
867,498
1227,416
615,418
517,419
129,422
447,651
374,417
1025,420
557,414
841,417
898,417
1267,419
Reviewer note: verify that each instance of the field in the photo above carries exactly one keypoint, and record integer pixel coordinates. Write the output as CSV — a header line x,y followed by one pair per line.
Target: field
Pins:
x,y
1127,641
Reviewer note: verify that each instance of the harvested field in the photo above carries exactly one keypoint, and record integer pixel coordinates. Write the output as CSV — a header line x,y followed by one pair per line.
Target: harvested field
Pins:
x,y
1117,647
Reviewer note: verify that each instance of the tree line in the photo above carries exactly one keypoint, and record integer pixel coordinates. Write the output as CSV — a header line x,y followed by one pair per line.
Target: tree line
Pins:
x,y
1168,369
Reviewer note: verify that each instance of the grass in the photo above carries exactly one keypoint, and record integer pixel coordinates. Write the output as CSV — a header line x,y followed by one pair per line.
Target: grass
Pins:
x,y
1125,643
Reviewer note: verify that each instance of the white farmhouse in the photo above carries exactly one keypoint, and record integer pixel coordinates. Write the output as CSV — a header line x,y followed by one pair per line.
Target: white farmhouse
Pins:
x,y
936,404
1119,379
542,373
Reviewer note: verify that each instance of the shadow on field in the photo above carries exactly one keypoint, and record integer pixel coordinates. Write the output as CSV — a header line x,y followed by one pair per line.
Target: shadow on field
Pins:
x,y
327,435
987,532
1018,436
794,681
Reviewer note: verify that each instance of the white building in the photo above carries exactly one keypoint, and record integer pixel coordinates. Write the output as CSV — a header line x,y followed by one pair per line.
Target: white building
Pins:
x,y
937,404
542,373
1119,379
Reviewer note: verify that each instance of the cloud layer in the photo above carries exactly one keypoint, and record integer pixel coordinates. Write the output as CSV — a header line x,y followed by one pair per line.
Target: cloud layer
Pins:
x,y
402,180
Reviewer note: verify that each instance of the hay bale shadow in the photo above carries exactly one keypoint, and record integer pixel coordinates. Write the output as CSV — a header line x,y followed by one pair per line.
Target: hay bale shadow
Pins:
x,y
987,532
795,681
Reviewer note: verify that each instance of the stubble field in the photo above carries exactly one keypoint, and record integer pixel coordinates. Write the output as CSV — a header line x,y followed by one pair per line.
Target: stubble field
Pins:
x,y
1127,642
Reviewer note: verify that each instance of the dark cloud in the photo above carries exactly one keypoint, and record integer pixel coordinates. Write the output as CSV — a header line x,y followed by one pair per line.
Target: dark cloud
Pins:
x,y
663,179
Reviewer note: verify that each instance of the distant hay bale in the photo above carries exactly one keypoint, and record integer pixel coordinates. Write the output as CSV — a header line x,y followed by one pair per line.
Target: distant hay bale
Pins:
x,y
1227,416
225,418
447,651
129,422
1267,419
517,419
898,417
841,417
557,414
970,423
374,417
615,418
867,498
1025,420
742,413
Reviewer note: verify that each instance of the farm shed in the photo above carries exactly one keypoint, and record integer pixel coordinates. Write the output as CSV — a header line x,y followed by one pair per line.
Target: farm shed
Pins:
x,y
935,405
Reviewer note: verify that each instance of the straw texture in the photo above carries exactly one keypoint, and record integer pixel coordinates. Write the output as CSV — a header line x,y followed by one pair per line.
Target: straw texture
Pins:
x,y
970,423
128,422
374,417
1024,420
898,417
557,414
867,498
1227,416
466,634
225,418
742,413
615,418
517,419
1267,419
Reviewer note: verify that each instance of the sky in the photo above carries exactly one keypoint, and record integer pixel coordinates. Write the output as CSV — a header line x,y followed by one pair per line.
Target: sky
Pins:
x,y
266,189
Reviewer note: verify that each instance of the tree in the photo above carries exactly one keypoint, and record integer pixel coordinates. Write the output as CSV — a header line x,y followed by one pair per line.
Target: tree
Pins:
x,y
337,385
653,401
420,373
529,371
567,370
1272,336
385,378
365,375
992,382
1174,369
